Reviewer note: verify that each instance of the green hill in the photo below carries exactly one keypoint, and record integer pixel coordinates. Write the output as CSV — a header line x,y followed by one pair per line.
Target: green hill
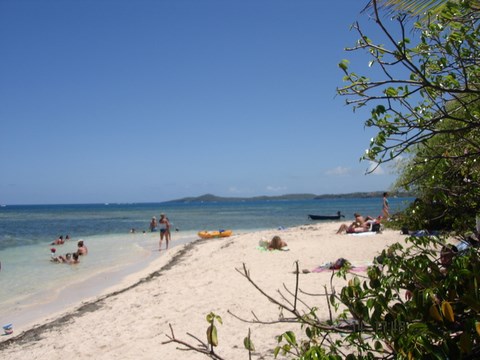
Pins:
x,y
214,198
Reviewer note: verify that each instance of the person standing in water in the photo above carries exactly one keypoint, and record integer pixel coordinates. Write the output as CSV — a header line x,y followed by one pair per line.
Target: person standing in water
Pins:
x,y
153,224
164,226
386,207
81,248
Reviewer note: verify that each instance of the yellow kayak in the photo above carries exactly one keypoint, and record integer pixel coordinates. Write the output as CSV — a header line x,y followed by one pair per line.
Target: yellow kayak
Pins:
x,y
214,234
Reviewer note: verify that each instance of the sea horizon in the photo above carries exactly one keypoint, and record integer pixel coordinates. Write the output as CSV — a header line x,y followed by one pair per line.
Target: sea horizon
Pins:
x,y
201,198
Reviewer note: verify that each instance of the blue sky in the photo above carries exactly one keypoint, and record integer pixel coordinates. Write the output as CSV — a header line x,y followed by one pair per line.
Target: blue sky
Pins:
x,y
146,101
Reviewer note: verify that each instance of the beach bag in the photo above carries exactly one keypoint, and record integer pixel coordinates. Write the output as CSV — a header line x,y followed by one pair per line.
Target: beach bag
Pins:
x,y
376,227
404,230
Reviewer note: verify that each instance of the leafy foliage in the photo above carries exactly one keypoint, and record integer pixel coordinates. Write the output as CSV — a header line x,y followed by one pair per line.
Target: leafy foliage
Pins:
x,y
419,81
426,108
413,304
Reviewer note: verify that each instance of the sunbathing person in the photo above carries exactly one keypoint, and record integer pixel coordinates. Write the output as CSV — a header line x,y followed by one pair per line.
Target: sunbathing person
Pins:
x,y
360,224
277,243
353,228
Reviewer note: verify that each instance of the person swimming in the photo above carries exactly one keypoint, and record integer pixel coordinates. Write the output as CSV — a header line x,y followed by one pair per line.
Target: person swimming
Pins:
x,y
59,241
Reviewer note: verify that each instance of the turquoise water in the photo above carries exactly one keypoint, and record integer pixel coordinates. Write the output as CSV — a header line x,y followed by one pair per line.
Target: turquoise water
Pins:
x,y
28,277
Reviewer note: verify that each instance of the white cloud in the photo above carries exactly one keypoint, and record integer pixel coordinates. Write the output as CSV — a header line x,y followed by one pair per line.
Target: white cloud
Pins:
x,y
233,190
276,188
338,171
375,169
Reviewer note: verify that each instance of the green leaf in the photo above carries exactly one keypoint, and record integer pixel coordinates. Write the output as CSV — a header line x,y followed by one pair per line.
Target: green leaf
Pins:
x,y
210,317
344,64
212,337
248,344
290,337
276,351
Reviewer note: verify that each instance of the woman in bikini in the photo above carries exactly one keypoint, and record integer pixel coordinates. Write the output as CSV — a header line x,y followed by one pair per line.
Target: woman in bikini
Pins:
x,y
164,226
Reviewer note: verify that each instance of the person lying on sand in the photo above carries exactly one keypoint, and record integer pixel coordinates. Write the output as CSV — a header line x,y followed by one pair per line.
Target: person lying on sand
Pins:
x,y
277,243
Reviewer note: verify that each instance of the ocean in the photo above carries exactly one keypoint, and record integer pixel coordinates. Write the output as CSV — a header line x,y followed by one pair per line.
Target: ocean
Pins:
x,y
28,278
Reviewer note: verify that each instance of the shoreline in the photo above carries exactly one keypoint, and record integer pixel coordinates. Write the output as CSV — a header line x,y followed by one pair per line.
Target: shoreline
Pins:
x,y
44,303
32,332
182,286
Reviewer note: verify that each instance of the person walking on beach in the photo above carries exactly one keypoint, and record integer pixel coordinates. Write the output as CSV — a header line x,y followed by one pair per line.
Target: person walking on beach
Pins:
x,y
386,207
164,226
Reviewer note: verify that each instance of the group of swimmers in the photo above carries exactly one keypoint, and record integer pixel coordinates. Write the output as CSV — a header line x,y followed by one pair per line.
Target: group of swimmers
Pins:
x,y
68,258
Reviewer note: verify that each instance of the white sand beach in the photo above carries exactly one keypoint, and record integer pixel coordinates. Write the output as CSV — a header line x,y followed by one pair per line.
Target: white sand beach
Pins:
x,y
131,320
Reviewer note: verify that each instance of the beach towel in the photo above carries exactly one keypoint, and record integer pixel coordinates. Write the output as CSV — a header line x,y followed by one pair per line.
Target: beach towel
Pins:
x,y
261,248
339,263
322,268
365,233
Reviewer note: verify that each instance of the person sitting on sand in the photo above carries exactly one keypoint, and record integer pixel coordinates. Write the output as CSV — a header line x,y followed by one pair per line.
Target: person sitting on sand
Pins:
x,y
82,249
358,226
447,253
375,224
277,243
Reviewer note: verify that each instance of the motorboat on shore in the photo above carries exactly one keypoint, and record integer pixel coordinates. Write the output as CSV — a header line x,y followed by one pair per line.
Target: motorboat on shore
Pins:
x,y
326,217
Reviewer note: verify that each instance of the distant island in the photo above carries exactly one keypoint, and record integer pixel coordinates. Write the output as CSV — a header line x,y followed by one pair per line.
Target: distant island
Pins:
x,y
356,195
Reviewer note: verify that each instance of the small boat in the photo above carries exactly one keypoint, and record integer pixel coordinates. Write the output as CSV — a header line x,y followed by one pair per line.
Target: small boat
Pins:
x,y
214,234
327,217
